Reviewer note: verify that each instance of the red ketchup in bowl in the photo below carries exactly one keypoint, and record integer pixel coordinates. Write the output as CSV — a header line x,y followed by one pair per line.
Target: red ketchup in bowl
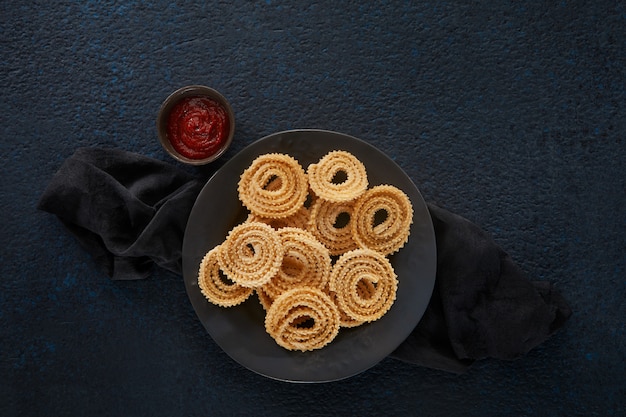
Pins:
x,y
197,127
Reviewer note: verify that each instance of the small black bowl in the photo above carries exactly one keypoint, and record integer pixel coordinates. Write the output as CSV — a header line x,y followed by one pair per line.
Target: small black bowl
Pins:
x,y
172,100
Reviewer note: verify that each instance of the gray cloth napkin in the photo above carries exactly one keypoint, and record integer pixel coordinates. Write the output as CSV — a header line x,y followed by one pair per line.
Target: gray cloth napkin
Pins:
x,y
130,211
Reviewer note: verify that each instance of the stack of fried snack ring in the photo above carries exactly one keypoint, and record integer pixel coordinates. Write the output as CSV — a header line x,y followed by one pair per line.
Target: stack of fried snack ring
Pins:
x,y
314,248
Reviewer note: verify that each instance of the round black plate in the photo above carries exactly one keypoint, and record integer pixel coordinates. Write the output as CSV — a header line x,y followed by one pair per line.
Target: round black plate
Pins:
x,y
239,330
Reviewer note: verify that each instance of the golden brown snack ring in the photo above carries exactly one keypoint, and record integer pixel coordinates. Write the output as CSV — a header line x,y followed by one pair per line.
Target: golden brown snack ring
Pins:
x,y
306,262
287,314
323,173
392,233
344,319
214,287
346,282
251,254
273,186
323,221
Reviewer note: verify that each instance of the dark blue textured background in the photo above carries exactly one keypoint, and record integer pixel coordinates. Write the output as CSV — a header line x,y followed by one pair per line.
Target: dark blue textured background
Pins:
x,y
511,115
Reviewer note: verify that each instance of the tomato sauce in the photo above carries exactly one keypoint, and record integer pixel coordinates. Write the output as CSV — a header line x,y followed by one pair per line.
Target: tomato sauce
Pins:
x,y
197,127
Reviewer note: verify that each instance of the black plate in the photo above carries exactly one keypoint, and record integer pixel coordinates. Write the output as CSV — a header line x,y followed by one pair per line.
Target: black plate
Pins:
x,y
239,330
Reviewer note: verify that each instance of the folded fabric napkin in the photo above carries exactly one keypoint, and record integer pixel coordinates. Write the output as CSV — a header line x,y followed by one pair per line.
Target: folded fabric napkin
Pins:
x,y
130,211
127,210
482,304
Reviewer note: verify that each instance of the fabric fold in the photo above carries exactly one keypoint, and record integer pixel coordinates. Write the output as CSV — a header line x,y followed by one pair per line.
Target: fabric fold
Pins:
x,y
482,305
127,210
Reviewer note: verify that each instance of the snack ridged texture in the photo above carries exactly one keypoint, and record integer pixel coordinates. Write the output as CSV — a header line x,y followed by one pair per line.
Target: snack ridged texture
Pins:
x,y
273,186
345,281
393,232
214,287
251,254
299,219
323,173
322,224
306,262
289,312
344,319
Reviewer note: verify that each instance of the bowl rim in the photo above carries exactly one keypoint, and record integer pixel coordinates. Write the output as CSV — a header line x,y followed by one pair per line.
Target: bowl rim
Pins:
x,y
193,90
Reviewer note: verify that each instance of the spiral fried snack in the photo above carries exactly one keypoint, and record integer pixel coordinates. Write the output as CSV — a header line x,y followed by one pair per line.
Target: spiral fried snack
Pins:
x,y
302,319
306,262
365,289
216,289
325,225
392,232
251,254
364,283
324,177
344,319
273,186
